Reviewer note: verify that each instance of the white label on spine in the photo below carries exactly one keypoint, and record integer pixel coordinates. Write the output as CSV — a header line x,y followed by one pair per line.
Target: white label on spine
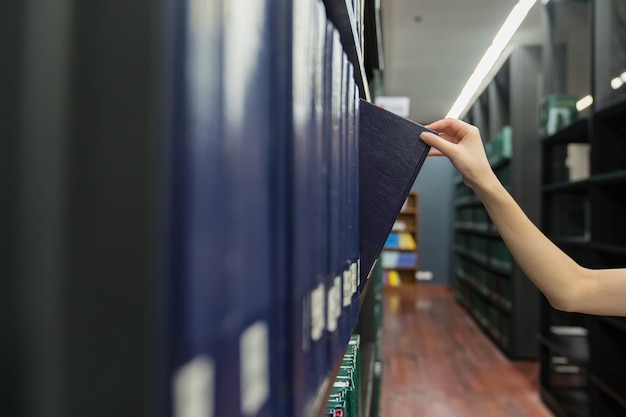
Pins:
x,y
255,375
337,297
331,321
334,304
318,324
348,287
354,273
193,388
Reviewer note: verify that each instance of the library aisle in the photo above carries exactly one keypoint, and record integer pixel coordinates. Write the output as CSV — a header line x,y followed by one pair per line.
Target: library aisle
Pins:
x,y
438,363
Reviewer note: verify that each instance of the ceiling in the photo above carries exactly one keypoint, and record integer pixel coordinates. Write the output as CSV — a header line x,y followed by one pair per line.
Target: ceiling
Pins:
x,y
431,47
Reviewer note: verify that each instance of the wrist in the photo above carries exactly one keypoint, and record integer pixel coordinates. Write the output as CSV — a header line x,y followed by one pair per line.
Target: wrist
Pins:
x,y
486,184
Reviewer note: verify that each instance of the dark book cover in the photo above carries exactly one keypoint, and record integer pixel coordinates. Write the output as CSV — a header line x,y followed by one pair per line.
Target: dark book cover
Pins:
x,y
249,134
305,191
391,155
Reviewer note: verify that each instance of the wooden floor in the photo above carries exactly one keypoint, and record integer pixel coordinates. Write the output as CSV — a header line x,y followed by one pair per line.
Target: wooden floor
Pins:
x,y
438,363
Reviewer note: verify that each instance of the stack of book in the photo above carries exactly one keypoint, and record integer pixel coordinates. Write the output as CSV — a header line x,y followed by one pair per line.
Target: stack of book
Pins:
x,y
265,280
345,397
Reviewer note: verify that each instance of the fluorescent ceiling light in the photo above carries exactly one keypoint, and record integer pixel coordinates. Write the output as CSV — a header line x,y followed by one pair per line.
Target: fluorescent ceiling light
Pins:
x,y
623,76
499,43
616,83
584,102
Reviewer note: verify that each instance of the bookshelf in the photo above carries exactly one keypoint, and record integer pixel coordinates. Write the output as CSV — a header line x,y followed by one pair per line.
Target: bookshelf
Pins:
x,y
583,178
487,281
399,258
350,20
564,351
153,204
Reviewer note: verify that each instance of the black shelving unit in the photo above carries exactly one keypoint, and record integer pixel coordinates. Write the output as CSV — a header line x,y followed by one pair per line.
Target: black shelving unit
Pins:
x,y
487,281
564,356
585,214
608,228
608,362
342,14
565,350
370,331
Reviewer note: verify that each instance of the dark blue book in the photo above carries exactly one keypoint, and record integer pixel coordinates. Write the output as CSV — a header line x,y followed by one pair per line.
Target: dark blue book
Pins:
x,y
281,303
248,133
346,324
407,259
391,155
197,291
318,297
305,191
335,274
356,260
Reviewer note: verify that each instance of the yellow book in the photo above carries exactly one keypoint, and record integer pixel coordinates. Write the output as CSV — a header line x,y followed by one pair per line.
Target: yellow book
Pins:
x,y
406,241
394,278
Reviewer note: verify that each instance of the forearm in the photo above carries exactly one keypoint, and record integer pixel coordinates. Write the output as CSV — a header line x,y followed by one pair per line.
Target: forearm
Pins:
x,y
560,278
567,285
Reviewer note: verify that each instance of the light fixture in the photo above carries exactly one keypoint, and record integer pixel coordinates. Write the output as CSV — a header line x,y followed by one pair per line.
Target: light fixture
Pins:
x,y
584,102
616,83
486,63
623,76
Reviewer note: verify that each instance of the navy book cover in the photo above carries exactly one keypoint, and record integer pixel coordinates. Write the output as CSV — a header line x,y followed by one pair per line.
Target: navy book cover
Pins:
x,y
391,155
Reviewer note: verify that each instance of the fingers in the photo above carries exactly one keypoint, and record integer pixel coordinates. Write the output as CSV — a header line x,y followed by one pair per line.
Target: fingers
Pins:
x,y
452,132
453,127
449,138
441,145
435,152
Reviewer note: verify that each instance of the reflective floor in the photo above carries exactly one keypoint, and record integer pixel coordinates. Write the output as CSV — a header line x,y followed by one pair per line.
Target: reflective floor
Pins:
x,y
438,363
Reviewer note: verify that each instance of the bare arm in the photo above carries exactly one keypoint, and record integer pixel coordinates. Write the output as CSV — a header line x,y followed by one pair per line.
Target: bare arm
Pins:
x,y
567,285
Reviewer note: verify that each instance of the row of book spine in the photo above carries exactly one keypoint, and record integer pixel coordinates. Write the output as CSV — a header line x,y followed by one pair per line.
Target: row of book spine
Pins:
x,y
345,397
264,283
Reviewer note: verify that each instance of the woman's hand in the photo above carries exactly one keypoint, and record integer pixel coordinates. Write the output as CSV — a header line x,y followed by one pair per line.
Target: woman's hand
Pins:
x,y
567,285
461,143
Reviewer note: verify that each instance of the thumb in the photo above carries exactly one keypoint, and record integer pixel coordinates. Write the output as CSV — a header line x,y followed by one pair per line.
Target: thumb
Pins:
x,y
437,142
